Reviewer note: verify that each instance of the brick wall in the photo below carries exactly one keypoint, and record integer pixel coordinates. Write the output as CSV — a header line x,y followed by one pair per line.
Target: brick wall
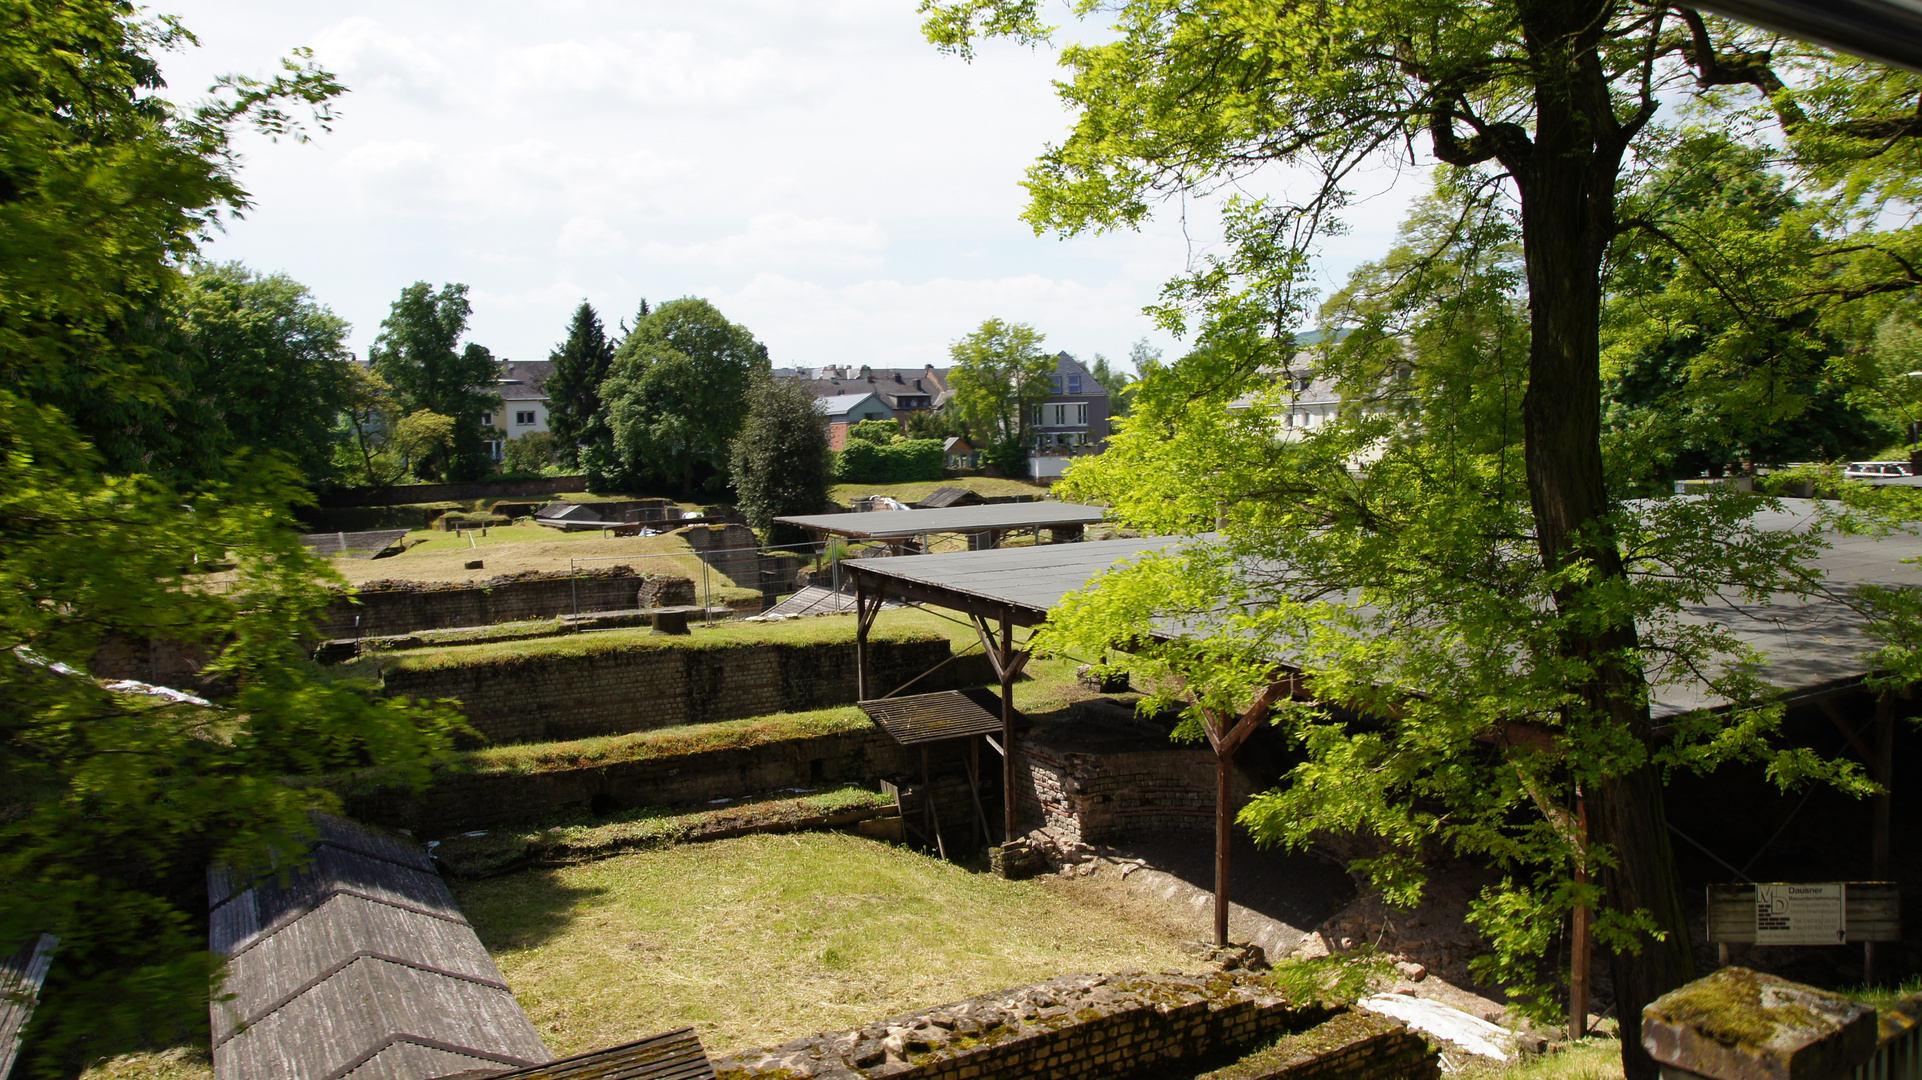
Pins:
x,y
1078,1026
459,802
1102,777
542,698
479,489
406,608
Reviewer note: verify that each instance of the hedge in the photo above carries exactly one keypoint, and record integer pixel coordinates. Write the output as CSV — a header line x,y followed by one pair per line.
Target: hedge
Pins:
x,y
863,462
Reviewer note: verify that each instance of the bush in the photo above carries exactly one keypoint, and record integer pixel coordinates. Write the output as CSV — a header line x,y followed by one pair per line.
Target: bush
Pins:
x,y
528,454
901,461
878,432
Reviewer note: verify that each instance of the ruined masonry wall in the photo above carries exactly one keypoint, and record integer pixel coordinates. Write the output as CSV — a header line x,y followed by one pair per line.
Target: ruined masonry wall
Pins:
x,y
1093,798
1083,1026
459,802
540,698
404,611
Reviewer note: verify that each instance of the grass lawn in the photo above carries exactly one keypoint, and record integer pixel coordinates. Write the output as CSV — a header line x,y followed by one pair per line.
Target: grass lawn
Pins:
x,y
896,625
763,939
909,491
510,549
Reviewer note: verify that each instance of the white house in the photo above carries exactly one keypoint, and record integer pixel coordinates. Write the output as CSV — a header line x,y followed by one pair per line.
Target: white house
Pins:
x,y
521,385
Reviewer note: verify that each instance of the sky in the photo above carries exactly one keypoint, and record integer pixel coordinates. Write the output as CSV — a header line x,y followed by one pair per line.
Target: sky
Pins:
x,y
817,171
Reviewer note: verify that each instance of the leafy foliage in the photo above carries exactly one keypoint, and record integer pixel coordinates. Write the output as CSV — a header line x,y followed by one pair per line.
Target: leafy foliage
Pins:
x,y
419,354
676,396
530,453
1453,573
780,463
863,462
574,389
999,374
269,363
878,432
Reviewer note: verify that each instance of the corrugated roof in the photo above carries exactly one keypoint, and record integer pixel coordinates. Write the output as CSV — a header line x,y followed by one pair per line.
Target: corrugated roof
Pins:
x,y
21,976
677,1055
955,519
358,962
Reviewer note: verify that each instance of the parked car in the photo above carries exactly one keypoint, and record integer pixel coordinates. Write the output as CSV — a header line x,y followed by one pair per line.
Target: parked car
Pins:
x,y
1877,470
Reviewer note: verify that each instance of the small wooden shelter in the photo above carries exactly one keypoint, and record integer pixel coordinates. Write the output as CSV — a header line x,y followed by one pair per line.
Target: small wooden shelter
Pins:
x,y
968,717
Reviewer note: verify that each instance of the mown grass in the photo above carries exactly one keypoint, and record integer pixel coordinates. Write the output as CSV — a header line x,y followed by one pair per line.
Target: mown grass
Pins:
x,y
906,624
1589,1059
762,939
175,1063
909,491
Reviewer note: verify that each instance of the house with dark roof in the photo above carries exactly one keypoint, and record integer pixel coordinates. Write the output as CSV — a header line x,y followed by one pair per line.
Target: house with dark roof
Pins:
x,y
522,386
903,390
1072,422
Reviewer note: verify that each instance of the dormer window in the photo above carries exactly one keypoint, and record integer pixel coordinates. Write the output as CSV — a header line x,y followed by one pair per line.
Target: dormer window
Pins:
x,y
1054,381
1074,384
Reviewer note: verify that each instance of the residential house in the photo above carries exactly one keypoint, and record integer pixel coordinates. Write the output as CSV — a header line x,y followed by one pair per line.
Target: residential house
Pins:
x,y
521,385
903,390
843,410
1073,421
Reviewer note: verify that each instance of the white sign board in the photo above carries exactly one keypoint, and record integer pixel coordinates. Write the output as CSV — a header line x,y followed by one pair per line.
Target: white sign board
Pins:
x,y
1801,914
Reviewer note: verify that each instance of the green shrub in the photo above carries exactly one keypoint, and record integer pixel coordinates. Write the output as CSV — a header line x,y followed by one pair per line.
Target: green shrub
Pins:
x,y
901,461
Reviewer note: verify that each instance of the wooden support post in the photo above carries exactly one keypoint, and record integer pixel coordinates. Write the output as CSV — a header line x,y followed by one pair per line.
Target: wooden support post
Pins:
x,y
973,762
1224,834
934,815
1007,670
1579,953
861,641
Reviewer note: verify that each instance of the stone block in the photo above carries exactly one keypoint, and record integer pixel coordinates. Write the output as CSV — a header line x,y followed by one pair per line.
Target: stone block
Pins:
x,y
1739,1024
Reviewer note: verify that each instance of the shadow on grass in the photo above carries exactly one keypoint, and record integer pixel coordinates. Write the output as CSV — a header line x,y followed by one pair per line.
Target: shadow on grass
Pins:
x,y
523,910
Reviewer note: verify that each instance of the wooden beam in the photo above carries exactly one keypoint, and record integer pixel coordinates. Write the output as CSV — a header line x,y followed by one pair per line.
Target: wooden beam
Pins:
x,y
862,692
1842,725
1007,673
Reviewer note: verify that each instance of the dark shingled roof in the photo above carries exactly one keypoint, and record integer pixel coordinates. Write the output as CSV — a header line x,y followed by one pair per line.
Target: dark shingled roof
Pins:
x,y
21,976
358,962
944,497
677,1055
361,545
926,718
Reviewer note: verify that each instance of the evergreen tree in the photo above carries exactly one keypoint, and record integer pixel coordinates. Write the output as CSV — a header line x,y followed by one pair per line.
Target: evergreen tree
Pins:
x,y
780,460
574,389
419,354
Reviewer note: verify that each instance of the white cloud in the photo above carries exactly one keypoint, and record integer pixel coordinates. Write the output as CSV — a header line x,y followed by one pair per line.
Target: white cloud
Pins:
x,y
817,170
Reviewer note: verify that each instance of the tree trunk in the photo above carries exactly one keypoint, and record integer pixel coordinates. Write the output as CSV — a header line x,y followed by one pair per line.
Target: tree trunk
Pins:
x,y
1567,183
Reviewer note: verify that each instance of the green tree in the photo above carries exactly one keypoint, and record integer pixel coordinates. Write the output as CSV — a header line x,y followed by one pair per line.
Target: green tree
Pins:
x,y
116,798
677,395
574,389
999,375
420,355
271,364
1544,105
365,452
780,463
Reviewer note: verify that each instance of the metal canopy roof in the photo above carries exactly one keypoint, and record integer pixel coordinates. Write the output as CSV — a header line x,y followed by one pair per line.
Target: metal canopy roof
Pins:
x,y
994,516
1811,646
1024,582
927,718
1886,30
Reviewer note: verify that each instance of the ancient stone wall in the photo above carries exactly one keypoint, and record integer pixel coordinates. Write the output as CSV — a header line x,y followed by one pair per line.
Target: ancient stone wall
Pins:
x,y
420,493
459,802
1080,1026
1101,779
537,698
403,607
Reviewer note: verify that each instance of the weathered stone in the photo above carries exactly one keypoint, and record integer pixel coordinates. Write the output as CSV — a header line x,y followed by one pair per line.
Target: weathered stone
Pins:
x,y
1739,1024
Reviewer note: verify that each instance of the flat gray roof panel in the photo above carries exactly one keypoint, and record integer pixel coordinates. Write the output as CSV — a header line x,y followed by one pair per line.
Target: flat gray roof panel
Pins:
x,y
1808,644
880,523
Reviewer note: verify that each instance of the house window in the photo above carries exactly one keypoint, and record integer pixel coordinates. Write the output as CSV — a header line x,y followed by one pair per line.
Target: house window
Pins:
x,y
1038,411
1074,384
524,419
494,449
1081,414
487,419
1055,382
